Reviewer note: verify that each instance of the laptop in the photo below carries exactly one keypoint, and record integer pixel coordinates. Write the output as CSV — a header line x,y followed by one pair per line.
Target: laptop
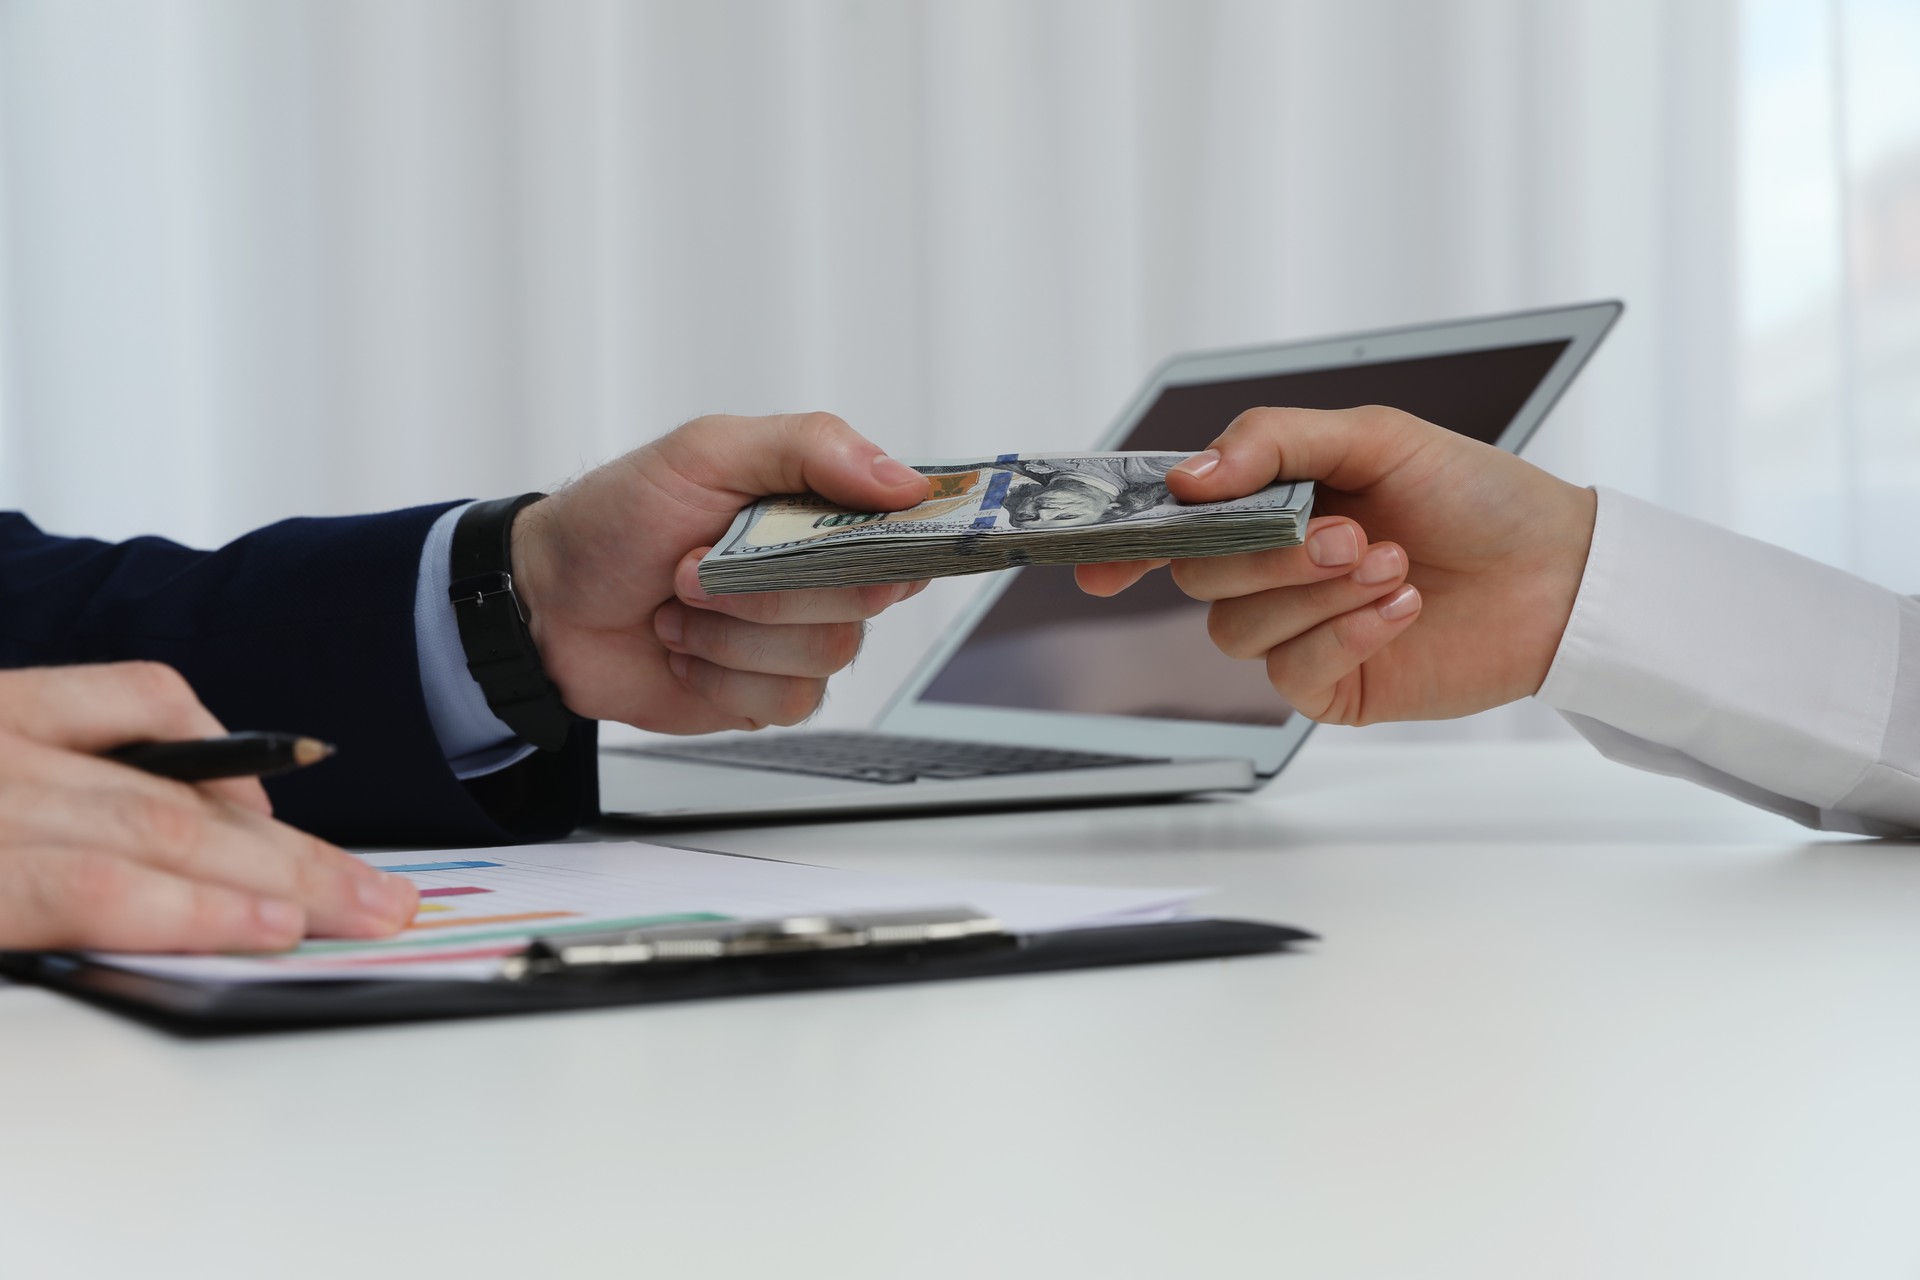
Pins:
x,y
1042,695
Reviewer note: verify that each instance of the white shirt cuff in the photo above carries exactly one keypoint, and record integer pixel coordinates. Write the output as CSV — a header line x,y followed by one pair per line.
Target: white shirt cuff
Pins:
x,y
473,739
1760,664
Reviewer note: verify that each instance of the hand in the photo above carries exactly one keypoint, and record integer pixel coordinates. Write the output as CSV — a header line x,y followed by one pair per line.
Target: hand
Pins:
x,y
1436,582
96,854
607,568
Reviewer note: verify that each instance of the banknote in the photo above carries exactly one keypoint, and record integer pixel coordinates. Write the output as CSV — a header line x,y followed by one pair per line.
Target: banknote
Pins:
x,y
996,513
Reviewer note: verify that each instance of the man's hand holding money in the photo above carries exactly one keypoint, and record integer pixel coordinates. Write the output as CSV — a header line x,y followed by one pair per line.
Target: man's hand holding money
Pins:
x,y
1439,585
606,569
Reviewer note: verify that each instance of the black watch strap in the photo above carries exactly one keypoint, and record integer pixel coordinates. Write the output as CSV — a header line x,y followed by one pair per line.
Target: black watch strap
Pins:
x,y
493,629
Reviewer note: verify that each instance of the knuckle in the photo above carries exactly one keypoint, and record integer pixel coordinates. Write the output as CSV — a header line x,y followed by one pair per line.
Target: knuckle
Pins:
x,y
1227,628
168,824
708,679
747,650
800,699
90,883
1219,577
1258,419
1353,636
874,598
818,433
838,645
1283,673
1326,596
718,424
1381,418
1193,577
315,871
213,913
154,681
701,629
823,426
754,606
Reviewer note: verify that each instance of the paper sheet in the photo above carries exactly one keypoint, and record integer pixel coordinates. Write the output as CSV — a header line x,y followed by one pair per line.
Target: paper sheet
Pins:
x,y
477,906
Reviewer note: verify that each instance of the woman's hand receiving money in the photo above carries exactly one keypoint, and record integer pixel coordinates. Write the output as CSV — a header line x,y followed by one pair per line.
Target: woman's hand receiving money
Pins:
x,y
1435,582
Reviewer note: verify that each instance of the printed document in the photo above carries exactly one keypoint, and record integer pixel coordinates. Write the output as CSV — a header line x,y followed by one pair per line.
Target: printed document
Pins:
x,y
479,906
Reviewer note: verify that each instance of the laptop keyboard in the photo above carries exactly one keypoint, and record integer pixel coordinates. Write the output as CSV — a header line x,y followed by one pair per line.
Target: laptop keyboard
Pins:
x,y
884,757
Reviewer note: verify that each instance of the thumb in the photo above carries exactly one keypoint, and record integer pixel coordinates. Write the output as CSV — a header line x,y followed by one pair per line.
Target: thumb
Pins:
x,y
796,453
1349,449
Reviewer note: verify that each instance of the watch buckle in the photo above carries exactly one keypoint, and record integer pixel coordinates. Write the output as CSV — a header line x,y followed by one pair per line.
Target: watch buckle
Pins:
x,y
479,587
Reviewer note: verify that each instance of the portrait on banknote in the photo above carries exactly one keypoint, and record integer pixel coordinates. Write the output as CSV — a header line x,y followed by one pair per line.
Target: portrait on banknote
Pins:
x,y
1060,493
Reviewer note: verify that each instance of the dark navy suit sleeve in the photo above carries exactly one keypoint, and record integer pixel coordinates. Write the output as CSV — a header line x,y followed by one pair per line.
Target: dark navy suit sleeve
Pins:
x,y
305,626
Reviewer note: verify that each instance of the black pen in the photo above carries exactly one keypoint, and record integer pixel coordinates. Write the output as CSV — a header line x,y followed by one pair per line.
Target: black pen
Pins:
x,y
238,755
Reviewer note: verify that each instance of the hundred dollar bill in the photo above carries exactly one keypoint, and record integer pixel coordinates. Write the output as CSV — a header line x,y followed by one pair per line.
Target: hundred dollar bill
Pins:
x,y
993,514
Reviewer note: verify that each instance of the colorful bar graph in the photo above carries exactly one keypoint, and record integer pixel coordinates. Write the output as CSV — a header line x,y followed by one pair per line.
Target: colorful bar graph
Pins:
x,y
493,951
328,947
410,867
452,891
464,922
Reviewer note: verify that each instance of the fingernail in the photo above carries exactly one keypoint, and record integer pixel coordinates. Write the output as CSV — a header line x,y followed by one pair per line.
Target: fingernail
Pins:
x,y
1402,603
899,593
670,623
1381,565
895,472
1334,546
383,896
276,918
403,896
677,663
1200,463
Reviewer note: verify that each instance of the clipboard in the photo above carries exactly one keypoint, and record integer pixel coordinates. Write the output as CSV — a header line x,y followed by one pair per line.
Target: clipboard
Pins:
x,y
657,965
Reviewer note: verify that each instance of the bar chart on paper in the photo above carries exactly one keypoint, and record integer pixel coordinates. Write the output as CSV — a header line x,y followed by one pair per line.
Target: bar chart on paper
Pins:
x,y
475,910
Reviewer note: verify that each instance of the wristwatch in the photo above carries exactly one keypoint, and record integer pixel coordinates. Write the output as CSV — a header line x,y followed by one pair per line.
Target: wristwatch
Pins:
x,y
493,626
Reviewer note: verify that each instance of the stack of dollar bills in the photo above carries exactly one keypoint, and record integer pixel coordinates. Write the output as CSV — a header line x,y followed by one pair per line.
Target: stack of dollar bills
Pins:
x,y
993,514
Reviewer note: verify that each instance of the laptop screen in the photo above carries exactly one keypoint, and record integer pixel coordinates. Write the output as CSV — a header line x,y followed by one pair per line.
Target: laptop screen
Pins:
x,y
1047,646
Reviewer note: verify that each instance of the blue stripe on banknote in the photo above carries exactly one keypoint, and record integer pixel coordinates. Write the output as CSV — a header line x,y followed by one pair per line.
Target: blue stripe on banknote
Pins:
x,y
996,493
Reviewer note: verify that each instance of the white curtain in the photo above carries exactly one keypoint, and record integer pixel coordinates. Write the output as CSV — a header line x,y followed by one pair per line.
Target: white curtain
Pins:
x,y
264,257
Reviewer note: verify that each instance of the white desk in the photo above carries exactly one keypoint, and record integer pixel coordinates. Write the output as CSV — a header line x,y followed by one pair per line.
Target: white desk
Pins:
x,y
1568,1021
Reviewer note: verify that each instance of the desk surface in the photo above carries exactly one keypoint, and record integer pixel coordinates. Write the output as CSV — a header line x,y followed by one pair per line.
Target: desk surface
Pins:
x,y
1568,1020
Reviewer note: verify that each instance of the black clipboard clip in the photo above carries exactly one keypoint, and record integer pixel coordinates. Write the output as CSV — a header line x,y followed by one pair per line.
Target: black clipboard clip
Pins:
x,y
892,934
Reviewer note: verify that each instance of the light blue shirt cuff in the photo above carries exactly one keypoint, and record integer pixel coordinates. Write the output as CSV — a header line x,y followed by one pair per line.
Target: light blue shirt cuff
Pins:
x,y
473,739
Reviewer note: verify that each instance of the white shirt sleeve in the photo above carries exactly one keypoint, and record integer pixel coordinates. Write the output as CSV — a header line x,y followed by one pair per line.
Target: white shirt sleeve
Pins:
x,y
1787,683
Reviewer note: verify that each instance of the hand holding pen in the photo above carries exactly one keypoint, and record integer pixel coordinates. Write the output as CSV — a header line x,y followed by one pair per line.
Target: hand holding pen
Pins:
x,y
96,854
236,755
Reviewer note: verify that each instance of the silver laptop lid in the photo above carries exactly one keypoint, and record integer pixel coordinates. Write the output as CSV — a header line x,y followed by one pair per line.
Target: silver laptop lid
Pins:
x,y
1036,661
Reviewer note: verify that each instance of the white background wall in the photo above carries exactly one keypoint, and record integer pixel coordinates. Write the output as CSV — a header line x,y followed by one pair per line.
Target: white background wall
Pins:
x,y
265,257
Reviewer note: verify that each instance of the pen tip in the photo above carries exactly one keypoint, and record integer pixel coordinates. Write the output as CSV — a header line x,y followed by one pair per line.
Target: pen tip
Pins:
x,y
311,751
